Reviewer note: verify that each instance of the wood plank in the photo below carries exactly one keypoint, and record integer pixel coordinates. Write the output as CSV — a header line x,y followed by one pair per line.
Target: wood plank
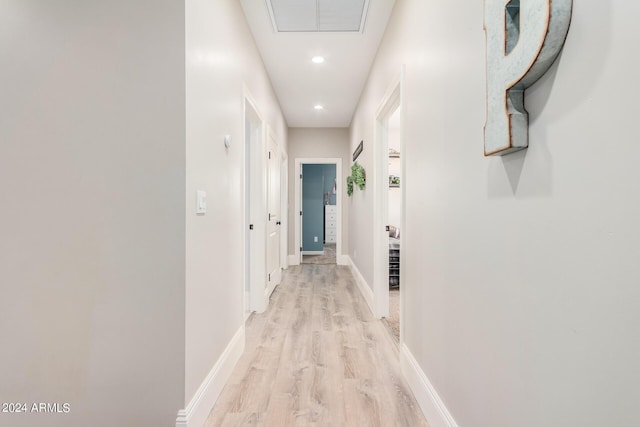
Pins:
x,y
317,357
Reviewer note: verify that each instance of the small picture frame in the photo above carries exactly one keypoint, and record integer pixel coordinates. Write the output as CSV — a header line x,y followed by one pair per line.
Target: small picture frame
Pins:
x,y
358,150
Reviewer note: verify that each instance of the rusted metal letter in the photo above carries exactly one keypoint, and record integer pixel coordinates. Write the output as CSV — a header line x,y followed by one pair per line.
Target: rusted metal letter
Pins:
x,y
524,37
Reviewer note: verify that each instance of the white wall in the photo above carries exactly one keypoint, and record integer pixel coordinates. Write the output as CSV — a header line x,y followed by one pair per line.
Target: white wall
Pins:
x,y
221,57
318,143
92,170
95,176
520,286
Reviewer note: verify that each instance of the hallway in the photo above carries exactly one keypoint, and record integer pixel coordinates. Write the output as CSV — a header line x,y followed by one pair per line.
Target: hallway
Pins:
x,y
317,357
149,177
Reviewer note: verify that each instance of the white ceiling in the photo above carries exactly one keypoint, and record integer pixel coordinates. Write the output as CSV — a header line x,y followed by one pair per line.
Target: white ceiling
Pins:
x,y
300,84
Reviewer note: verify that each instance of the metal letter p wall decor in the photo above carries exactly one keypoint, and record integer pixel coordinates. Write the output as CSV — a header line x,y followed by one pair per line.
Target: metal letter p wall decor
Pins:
x,y
524,37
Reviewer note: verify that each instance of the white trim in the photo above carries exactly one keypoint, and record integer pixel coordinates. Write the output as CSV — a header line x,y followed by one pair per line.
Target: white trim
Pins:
x,y
271,286
432,406
403,190
365,13
196,413
294,260
298,203
343,260
363,286
340,260
272,16
312,252
284,205
246,299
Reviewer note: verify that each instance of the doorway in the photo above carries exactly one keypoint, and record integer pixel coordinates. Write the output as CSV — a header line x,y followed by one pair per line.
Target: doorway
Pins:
x,y
318,224
263,187
389,217
319,213
394,219
253,129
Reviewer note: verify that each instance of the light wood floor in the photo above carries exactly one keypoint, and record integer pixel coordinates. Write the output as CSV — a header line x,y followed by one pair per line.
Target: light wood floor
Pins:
x,y
393,321
329,256
317,357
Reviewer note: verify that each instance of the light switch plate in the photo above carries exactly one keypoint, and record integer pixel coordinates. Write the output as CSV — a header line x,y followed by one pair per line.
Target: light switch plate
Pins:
x,y
201,202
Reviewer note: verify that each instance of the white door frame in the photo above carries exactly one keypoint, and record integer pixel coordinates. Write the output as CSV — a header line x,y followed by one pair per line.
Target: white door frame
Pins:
x,y
284,209
255,207
297,258
392,100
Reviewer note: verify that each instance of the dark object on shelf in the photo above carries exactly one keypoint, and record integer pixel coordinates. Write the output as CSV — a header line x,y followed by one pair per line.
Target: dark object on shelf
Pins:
x,y
394,263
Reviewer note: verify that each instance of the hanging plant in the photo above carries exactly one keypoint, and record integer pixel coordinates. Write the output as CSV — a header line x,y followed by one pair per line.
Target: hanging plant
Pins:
x,y
349,185
359,175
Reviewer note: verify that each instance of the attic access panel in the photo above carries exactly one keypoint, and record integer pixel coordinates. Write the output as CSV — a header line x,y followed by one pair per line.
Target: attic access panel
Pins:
x,y
318,15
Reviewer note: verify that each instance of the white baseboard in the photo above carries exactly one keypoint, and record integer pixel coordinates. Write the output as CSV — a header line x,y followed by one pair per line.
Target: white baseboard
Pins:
x,y
432,406
365,290
271,286
341,260
312,252
294,260
196,413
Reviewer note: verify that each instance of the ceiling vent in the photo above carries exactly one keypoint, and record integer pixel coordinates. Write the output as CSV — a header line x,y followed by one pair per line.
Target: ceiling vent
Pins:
x,y
318,15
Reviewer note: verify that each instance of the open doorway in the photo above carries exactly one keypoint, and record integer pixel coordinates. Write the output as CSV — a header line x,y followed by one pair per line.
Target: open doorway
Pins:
x,y
319,214
389,217
320,239
394,219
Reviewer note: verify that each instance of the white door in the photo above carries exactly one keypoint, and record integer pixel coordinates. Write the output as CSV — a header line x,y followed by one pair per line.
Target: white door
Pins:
x,y
255,209
274,271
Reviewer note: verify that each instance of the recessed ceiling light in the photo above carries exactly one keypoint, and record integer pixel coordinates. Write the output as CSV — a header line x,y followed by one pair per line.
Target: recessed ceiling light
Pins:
x,y
318,59
319,107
